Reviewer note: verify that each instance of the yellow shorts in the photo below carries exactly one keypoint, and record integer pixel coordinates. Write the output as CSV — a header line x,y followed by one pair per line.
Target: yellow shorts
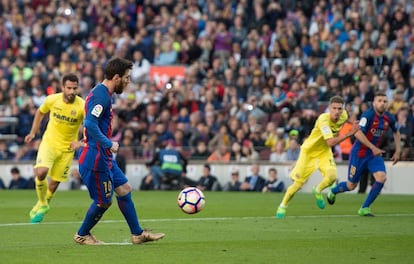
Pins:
x,y
308,162
57,161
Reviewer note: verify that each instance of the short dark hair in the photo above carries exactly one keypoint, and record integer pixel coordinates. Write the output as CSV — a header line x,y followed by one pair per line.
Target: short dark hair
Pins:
x,y
70,77
379,94
273,169
15,170
116,65
207,166
336,99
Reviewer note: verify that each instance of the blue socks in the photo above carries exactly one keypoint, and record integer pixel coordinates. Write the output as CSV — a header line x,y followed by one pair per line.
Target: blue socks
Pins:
x,y
127,207
92,217
373,193
340,188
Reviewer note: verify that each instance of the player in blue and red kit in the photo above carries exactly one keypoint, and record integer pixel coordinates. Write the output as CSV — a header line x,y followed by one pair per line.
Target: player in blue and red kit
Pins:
x,y
99,170
366,154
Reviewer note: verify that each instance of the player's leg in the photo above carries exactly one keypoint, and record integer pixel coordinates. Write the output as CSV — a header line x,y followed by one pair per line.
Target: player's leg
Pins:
x,y
304,167
377,167
356,166
126,206
58,173
101,193
327,167
44,161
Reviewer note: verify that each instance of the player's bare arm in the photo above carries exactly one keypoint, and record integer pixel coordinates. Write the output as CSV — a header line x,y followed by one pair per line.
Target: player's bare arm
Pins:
x,y
338,139
35,126
364,140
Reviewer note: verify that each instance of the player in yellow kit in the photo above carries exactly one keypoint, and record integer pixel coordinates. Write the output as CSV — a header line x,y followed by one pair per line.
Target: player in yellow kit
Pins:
x,y
59,142
316,153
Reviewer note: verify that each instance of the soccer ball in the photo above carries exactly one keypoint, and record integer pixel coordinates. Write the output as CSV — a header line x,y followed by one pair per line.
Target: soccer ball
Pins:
x,y
191,200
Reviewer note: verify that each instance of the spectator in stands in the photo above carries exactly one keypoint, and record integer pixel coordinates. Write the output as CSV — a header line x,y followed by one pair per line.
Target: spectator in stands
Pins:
x,y
248,152
207,181
163,133
293,151
274,137
254,182
201,152
234,184
141,67
17,180
315,44
165,55
222,138
273,183
5,153
279,153
220,154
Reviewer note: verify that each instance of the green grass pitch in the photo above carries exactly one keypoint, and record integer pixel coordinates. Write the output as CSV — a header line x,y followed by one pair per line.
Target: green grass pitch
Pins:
x,y
232,228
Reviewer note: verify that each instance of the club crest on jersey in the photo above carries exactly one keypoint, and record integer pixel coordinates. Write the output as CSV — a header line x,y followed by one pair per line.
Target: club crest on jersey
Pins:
x,y
97,110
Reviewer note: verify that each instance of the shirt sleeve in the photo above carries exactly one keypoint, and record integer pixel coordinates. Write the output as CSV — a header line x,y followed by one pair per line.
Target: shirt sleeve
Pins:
x,y
94,113
324,127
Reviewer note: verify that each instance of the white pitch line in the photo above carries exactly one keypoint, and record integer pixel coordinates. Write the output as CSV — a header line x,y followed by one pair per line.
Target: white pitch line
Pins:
x,y
204,219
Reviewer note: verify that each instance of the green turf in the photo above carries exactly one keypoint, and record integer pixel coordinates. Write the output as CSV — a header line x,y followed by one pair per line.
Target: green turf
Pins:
x,y
232,228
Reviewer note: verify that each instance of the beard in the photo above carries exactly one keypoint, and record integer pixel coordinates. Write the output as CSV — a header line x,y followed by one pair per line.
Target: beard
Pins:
x,y
70,98
119,88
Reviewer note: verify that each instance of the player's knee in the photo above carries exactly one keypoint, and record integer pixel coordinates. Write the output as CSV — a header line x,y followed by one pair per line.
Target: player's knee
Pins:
x,y
331,175
380,177
104,205
41,173
124,189
351,186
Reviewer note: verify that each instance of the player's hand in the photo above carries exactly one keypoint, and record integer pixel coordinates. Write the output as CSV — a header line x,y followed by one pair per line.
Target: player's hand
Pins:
x,y
115,147
377,152
29,138
395,158
75,145
355,127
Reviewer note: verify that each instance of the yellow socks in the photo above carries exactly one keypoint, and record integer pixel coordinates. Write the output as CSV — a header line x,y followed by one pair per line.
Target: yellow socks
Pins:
x,y
290,192
41,191
326,181
49,195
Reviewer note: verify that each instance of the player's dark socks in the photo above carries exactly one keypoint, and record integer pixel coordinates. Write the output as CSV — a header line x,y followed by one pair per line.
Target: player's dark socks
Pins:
x,y
92,217
373,193
341,187
127,207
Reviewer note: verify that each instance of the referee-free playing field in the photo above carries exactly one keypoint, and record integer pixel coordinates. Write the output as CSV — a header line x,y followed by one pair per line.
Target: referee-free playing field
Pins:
x,y
232,228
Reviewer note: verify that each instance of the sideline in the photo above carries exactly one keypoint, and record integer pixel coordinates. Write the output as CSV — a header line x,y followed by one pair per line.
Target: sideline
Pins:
x,y
206,219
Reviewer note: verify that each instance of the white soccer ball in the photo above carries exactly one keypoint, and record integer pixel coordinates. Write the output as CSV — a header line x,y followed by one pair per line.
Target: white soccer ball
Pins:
x,y
191,200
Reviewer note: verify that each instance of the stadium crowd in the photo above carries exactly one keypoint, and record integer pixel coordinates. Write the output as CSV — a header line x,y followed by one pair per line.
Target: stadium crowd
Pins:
x,y
257,73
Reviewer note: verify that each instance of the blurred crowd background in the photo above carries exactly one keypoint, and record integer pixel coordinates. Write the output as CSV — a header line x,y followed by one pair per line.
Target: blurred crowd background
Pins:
x,y
257,73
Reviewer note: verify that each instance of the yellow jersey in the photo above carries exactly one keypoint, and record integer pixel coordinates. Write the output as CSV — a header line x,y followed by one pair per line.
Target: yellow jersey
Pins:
x,y
64,120
324,129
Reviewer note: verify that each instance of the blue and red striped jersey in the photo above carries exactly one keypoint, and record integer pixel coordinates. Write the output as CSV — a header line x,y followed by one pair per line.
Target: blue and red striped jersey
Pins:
x,y
96,154
374,127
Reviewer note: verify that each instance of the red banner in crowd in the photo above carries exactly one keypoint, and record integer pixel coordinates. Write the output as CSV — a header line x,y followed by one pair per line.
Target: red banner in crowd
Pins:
x,y
161,75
